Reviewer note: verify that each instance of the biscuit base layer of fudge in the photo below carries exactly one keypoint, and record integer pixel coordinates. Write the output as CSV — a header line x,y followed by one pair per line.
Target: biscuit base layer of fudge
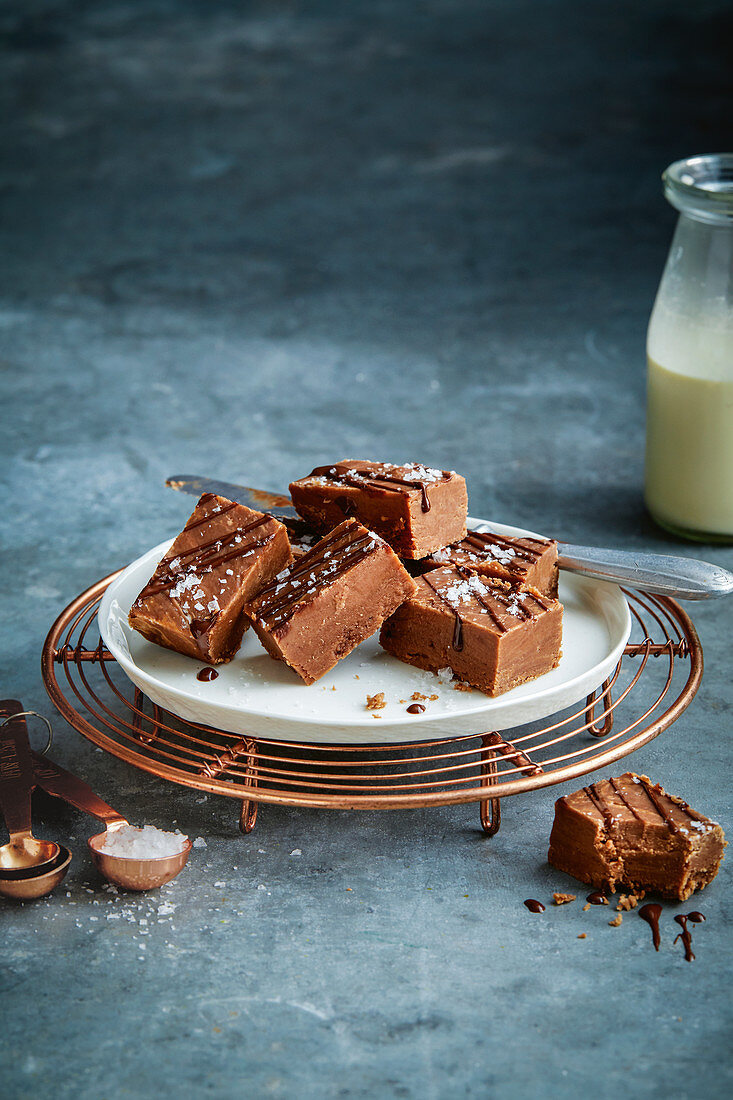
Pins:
x,y
193,602
491,635
525,561
414,508
330,600
629,832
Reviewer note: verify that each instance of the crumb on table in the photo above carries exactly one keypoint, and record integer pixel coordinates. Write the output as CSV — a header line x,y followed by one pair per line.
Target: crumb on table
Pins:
x,y
627,901
563,899
375,702
460,686
616,921
418,696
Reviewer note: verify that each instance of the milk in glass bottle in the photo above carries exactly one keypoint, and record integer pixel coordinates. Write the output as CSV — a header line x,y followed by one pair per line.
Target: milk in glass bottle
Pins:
x,y
689,445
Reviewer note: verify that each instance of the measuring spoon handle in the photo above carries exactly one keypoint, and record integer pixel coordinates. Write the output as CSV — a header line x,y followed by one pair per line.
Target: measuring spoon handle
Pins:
x,y
16,770
62,784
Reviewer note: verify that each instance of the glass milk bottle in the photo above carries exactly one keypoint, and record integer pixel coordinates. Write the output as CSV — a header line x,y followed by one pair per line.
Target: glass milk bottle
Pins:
x,y
689,444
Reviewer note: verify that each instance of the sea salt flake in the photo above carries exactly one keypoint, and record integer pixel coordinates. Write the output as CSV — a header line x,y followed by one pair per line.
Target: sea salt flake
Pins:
x,y
199,842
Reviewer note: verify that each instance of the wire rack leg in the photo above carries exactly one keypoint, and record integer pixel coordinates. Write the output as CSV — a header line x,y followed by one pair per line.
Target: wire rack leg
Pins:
x,y
603,696
248,810
247,815
490,808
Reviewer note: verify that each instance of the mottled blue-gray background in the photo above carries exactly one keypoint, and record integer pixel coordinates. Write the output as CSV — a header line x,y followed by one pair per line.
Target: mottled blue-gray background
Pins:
x,y
245,238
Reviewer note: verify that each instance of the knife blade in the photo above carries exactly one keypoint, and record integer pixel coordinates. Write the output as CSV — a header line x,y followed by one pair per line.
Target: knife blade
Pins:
x,y
664,574
275,504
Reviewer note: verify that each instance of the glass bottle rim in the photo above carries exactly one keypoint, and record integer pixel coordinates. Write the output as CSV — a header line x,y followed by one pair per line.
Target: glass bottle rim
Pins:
x,y
702,187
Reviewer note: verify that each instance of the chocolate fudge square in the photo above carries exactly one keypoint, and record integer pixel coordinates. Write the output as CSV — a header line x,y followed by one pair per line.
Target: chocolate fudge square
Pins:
x,y
329,600
193,602
629,832
491,635
414,508
525,561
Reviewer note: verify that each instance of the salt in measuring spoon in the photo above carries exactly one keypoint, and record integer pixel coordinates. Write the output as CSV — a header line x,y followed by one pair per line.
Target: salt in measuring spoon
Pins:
x,y
124,871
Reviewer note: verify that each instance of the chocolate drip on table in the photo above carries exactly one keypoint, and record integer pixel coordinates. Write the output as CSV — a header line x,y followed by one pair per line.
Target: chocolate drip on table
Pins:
x,y
343,474
333,556
415,708
207,674
597,899
685,935
534,906
207,555
651,912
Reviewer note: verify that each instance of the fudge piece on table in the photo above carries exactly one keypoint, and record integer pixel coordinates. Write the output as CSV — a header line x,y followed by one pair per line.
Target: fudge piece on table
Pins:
x,y
329,600
193,602
629,832
528,562
413,508
492,635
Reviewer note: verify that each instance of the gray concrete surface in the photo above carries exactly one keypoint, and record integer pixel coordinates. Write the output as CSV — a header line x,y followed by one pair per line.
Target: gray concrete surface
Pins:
x,y
243,239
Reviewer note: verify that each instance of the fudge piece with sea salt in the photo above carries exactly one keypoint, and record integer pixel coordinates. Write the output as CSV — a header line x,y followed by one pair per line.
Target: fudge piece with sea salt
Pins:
x,y
491,635
329,600
223,556
629,832
412,507
525,561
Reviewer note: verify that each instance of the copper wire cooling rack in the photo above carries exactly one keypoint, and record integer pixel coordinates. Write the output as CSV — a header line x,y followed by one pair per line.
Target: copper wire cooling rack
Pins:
x,y
654,681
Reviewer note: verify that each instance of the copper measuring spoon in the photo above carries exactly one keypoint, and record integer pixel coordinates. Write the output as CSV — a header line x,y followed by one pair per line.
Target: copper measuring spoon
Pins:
x,y
29,868
130,873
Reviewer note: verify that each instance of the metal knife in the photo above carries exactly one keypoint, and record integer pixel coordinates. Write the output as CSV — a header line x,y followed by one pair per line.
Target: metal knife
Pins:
x,y
665,574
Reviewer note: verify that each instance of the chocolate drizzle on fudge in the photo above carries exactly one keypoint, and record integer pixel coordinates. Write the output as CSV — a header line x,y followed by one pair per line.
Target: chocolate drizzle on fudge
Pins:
x,y
381,476
512,548
474,588
597,796
317,569
222,557
206,556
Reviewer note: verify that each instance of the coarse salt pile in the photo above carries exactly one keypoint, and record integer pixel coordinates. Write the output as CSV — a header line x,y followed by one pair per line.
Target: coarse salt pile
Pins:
x,y
129,842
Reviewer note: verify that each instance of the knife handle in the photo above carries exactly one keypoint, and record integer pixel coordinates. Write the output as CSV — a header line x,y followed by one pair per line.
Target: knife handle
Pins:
x,y
666,574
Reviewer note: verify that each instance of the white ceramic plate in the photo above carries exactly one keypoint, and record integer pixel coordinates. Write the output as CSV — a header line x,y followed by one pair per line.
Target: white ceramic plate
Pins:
x,y
256,695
